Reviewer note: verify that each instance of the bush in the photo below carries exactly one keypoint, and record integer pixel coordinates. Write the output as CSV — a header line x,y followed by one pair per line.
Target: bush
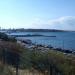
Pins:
x,y
5,37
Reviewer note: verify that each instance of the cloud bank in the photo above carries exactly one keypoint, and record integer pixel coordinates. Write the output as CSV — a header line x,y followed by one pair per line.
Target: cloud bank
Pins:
x,y
64,23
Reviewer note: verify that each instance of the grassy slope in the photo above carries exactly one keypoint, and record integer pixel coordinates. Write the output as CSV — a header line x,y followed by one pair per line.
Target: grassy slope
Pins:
x,y
65,63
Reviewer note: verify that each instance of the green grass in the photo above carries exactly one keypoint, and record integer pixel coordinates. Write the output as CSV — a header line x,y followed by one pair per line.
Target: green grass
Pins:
x,y
42,61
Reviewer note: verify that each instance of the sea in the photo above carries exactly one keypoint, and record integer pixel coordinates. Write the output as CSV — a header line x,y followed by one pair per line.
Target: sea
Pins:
x,y
64,40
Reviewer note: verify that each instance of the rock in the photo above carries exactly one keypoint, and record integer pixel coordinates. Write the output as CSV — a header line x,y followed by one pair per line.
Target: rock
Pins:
x,y
27,41
49,46
67,51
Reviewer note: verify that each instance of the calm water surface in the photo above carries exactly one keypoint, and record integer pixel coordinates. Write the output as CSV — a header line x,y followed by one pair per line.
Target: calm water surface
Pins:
x,y
64,40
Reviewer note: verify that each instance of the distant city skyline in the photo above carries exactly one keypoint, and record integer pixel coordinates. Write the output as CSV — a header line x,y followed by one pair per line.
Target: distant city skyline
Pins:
x,y
37,14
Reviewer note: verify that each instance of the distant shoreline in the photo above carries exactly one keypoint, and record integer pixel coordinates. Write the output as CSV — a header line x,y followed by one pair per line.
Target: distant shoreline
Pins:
x,y
35,30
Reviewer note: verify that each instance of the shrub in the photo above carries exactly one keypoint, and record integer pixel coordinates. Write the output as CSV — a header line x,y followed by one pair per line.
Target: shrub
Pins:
x,y
5,37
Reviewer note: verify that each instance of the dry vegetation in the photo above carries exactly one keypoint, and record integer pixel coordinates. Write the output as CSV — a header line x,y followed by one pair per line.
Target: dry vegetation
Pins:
x,y
52,62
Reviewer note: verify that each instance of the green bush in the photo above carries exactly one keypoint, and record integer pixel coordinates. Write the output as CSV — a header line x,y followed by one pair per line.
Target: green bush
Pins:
x,y
5,37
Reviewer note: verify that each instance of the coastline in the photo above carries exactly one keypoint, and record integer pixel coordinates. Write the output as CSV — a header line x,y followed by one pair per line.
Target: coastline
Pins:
x,y
28,44
32,55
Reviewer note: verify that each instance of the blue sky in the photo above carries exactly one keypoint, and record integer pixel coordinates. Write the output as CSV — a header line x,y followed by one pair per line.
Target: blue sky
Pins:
x,y
51,14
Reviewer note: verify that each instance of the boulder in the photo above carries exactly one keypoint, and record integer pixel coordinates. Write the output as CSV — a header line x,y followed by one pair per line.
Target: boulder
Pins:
x,y
27,41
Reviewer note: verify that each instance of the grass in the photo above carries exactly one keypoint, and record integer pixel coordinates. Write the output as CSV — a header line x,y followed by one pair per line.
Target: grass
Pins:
x,y
5,70
64,63
51,60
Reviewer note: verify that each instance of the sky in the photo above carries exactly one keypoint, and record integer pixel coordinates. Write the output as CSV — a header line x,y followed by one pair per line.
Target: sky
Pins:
x,y
38,14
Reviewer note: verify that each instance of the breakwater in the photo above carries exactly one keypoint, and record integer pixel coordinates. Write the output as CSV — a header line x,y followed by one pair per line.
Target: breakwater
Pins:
x,y
34,35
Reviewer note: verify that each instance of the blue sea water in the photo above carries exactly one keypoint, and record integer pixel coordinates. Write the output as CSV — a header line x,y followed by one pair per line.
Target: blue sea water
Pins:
x,y
65,40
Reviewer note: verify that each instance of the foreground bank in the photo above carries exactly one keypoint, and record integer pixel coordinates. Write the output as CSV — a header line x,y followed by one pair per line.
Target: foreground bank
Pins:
x,y
17,56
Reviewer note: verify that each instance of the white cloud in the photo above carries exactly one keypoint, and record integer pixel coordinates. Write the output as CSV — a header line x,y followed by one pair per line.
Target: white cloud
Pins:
x,y
66,23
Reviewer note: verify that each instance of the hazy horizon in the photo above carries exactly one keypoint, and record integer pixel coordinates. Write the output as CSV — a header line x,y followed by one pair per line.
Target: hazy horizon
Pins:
x,y
37,14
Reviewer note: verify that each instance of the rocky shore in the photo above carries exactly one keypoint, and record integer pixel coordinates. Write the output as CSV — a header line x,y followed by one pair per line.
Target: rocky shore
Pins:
x,y
44,48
